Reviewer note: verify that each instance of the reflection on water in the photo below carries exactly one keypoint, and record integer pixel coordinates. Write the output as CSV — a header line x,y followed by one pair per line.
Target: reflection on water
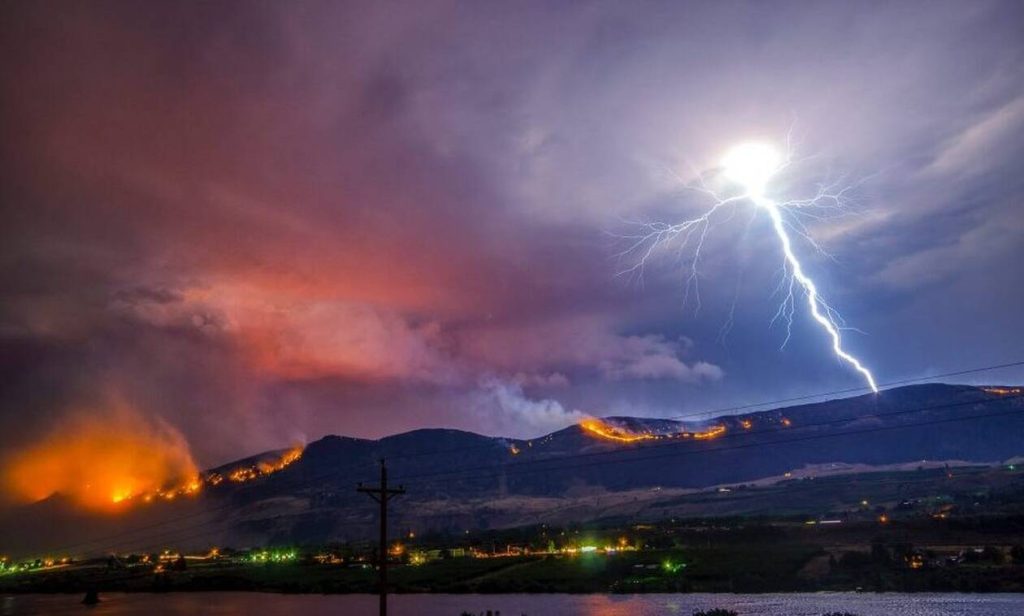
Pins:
x,y
231,604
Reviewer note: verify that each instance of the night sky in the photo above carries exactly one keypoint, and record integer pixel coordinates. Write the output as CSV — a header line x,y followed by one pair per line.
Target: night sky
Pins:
x,y
254,223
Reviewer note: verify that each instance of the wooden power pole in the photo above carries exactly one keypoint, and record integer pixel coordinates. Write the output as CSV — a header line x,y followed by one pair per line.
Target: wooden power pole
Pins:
x,y
382,494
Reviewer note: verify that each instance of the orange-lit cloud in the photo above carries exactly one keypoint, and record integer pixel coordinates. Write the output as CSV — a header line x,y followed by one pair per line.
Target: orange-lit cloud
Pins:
x,y
298,334
98,458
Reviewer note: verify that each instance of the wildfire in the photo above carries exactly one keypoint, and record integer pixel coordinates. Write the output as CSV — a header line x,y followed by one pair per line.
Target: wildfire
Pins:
x,y
604,430
1003,391
259,469
196,484
102,458
607,431
708,434
108,459
186,488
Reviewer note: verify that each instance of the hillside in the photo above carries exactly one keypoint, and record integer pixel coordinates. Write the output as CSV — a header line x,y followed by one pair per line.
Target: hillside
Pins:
x,y
459,480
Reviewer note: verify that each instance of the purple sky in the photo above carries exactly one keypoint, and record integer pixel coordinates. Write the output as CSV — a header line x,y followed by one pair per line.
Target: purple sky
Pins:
x,y
258,222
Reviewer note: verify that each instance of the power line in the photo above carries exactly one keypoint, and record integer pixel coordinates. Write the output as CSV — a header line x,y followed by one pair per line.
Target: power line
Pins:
x,y
553,467
863,389
382,494
712,443
868,483
729,409
720,410
672,454
512,467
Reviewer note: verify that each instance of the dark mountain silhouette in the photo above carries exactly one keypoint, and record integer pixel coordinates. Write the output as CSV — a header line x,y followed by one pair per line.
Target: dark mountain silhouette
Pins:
x,y
461,480
923,422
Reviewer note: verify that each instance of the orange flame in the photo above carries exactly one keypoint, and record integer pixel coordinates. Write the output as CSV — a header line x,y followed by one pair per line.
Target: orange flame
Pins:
x,y
1002,391
710,433
102,458
604,430
238,475
261,468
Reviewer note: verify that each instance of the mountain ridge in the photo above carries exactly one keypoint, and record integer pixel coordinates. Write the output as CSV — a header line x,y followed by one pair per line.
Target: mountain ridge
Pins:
x,y
457,479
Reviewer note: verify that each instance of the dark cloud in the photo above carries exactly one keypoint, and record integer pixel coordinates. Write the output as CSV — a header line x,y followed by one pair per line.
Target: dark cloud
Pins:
x,y
262,221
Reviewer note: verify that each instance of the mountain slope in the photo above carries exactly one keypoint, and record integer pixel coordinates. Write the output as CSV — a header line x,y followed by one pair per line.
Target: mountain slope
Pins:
x,y
456,479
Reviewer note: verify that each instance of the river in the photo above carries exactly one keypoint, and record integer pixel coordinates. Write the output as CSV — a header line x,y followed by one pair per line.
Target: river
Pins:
x,y
266,604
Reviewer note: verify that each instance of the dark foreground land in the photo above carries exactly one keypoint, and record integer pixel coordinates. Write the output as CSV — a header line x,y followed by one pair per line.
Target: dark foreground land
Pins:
x,y
925,530
967,555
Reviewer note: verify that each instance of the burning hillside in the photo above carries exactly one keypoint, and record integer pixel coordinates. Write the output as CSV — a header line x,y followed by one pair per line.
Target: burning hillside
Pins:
x,y
614,429
100,458
265,465
1003,391
108,460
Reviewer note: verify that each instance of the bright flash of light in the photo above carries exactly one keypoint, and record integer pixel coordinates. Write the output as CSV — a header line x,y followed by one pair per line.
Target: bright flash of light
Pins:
x,y
751,166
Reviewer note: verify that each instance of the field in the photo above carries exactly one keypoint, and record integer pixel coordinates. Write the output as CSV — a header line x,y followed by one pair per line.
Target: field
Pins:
x,y
773,557
905,530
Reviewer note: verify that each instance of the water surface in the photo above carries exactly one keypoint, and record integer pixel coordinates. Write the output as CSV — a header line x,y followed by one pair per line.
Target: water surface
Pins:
x,y
235,603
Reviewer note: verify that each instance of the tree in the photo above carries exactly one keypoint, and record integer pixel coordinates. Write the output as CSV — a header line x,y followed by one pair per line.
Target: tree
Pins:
x,y
993,554
880,554
1017,554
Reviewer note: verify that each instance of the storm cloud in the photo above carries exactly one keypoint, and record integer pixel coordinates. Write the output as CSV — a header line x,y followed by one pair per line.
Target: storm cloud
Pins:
x,y
256,221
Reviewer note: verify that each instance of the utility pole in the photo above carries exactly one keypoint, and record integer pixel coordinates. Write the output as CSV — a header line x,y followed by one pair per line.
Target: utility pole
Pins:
x,y
382,494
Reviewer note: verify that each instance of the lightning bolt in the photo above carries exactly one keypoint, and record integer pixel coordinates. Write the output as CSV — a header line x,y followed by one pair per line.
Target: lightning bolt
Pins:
x,y
826,319
751,168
